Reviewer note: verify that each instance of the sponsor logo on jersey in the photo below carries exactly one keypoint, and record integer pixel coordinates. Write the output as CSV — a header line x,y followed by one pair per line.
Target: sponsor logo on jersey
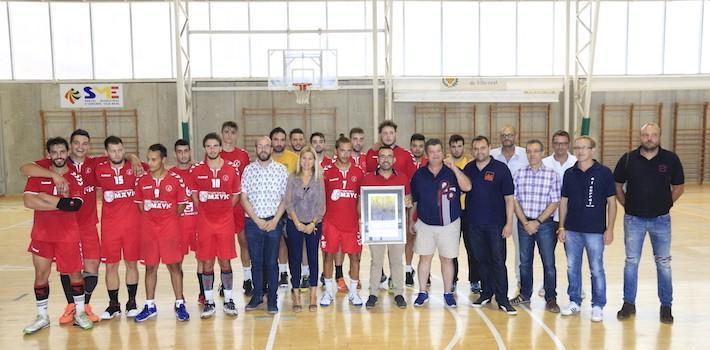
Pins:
x,y
46,182
337,194
110,196
200,177
89,189
212,196
168,188
153,204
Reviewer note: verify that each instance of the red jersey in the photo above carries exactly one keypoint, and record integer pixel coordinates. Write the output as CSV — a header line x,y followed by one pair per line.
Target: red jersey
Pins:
x,y
404,161
215,188
342,189
422,163
360,160
239,157
326,161
119,212
184,175
396,179
87,215
160,199
55,225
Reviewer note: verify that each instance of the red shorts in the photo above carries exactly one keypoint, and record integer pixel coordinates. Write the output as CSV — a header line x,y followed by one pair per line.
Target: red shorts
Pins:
x,y
220,246
334,240
113,247
66,254
238,219
169,250
188,229
90,244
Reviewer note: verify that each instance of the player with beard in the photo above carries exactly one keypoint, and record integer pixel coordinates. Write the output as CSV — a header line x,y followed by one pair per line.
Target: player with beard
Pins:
x,y
357,137
297,139
318,143
240,157
217,184
416,146
120,226
55,233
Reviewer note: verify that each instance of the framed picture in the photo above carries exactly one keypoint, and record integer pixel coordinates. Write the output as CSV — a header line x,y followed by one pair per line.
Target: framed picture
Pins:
x,y
383,215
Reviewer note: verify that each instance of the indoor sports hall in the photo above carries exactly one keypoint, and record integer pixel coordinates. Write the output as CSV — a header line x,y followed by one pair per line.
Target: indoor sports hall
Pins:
x,y
156,71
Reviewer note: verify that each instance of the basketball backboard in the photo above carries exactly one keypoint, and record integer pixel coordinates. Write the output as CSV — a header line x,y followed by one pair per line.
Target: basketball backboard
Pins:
x,y
316,67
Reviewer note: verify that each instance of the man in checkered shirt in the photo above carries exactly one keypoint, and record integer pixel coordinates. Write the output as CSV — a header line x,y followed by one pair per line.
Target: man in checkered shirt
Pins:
x,y
537,196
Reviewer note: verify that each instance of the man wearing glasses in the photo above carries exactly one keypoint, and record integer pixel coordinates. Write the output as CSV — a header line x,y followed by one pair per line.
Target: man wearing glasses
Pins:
x,y
515,158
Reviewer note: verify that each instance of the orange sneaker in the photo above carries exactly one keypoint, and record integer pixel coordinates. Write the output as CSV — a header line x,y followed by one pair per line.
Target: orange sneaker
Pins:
x,y
342,287
90,313
68,315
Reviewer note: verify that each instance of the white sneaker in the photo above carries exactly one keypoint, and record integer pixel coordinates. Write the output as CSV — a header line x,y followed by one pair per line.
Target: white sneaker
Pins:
x,y
355,299
326,299
39,323
541,292
571,309
132,313
597,314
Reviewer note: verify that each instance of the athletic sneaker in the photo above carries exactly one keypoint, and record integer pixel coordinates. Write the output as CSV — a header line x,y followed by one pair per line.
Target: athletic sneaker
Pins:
x,y
481,302
39,323
342,286
208,310
541,292
82,320
597,314
371,302
422,298
181,313
146,313
450,300
476,287
113,310
230,309
131,309
305,283
201,299
90,313
248,287
326,299
508,309
355,299
254,304
283,281
399,300
571,309
520,299
68,315
409,279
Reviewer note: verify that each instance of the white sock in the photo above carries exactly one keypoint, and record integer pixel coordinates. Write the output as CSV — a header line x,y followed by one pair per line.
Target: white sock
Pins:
x,y
305,271
353,286
150,302
209,296
79,302
227,295
179,302
42,307
409,268
283,268
247,273
330,286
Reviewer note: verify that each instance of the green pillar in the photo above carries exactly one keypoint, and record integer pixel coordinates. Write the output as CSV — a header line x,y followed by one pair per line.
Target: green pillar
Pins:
x,y
186,131
585,126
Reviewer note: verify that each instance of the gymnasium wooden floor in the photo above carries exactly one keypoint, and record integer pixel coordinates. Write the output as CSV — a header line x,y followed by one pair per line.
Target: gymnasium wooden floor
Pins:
x,y
430,327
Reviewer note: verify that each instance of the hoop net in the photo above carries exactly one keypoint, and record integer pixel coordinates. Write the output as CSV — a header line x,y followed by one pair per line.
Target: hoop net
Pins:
x,y
303,92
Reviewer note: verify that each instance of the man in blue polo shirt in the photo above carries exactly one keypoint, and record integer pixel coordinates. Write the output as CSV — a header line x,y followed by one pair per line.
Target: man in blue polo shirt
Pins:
x,y
436,191
489,217
587,214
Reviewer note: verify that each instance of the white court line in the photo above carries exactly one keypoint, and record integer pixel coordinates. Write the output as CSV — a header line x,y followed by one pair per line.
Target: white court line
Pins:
x,y
458,334
26,222
553,336
277,318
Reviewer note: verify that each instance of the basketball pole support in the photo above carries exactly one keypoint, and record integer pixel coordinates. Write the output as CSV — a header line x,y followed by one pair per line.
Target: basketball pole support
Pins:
x,y
183,76
388,64
586,25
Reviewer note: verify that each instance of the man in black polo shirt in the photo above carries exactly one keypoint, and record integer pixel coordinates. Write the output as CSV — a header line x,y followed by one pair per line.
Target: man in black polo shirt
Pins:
x,y
654,181
489,217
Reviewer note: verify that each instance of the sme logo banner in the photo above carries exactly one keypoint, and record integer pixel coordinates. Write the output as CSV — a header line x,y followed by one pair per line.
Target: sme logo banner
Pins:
x,y
91,96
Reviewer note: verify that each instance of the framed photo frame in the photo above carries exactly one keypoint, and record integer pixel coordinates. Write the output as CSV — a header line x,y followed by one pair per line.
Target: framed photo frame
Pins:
x,y
383,215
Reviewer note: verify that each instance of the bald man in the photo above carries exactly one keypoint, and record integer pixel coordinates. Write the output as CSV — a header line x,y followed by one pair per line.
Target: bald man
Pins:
x,y
653,179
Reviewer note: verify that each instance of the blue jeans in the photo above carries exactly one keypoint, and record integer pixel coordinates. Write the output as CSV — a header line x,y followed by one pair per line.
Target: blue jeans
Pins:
x,y
264,252
490,250
294,242
659,229
575,244
546,240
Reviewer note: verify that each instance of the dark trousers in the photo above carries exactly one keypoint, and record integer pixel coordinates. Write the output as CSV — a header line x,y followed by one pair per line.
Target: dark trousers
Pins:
x,y
264,252
490,249
473,274
294,243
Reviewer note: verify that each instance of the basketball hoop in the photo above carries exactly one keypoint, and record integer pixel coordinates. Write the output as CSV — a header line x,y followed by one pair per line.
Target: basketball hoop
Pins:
x,y
303,92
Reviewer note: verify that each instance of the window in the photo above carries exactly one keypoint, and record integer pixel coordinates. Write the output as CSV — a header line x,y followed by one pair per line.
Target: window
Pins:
x,y
422,37
682,52
460,38
112,40
609,58
645,37
152,51
498,38
31,43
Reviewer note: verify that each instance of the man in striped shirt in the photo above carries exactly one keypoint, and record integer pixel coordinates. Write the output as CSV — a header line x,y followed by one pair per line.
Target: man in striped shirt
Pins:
x,y
537,196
